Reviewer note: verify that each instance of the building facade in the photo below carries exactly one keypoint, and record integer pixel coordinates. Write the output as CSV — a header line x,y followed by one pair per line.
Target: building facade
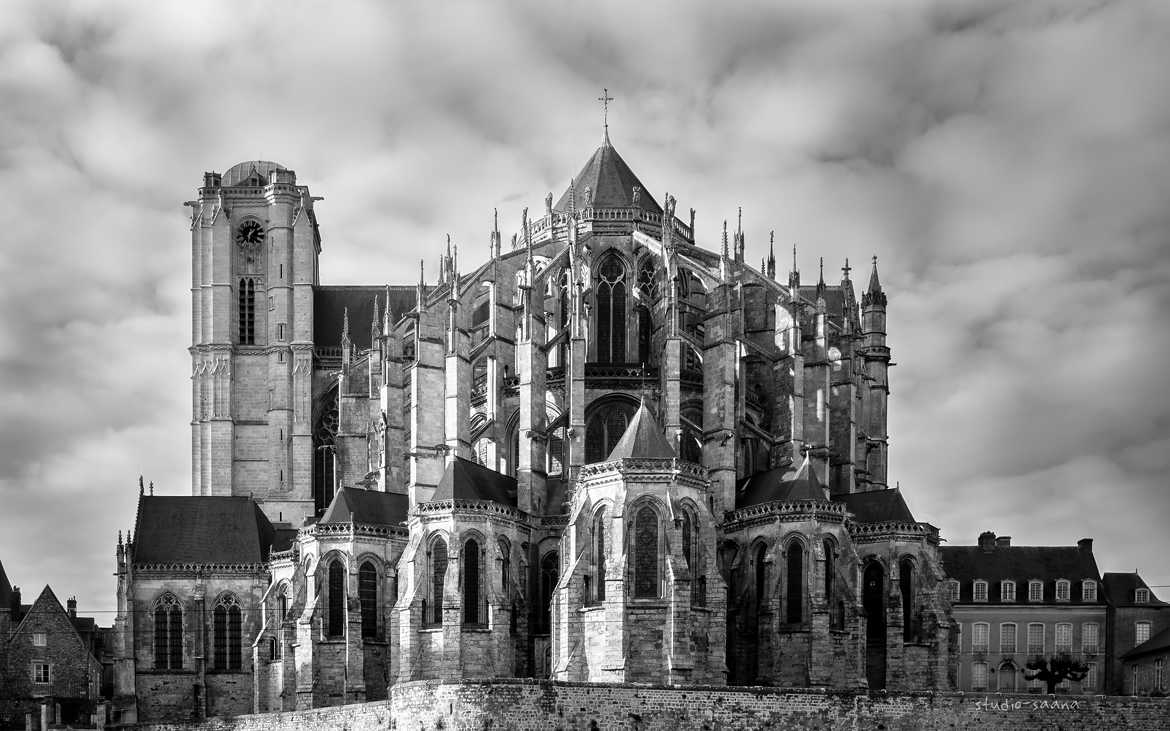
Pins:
x,y
1136,629
1015,604
45,660
608,453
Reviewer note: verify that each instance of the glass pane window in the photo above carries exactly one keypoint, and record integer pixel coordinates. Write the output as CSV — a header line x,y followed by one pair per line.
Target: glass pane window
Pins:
x,y
979,632
1088,590
1064,637
1141,632
1090,638
980,591
1007,637
1035,591
979,676
1035,638
1007,591
1062,590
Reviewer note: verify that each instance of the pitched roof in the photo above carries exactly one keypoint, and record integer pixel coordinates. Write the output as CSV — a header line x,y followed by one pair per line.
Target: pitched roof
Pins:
x,y
45,603
643,439
1160,641
1020,564
372,507
331,303
201,529
780,484
1120,590
611,183
5,589
877,506
466,480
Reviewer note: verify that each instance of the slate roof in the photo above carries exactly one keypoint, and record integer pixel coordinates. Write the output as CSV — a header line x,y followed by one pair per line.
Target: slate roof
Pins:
x,y
611,183
466,480
1120,589
1157,643
1021,564
330,304
372,507
877,506
201,529
643,439
780,484
5,589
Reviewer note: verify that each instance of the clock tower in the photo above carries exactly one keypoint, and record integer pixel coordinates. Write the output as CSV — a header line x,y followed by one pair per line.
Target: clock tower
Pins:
x,y
255,244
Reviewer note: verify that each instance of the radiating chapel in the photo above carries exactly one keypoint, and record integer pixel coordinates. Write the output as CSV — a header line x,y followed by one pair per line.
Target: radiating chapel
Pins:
x,y
605,452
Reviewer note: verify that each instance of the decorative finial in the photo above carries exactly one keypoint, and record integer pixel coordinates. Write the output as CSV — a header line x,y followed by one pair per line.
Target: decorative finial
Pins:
x,y
739,223
846,269
605,99
141,487
152,488
725,238
345,325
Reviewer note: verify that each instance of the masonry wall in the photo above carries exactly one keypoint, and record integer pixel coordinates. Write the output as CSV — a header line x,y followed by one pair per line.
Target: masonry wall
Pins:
x,y
529,704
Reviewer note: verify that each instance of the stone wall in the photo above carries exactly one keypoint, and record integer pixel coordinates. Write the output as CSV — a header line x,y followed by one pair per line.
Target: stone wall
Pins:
x,y
529,704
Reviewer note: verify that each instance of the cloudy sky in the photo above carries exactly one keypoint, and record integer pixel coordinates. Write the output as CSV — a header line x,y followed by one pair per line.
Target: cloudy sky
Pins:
x,y
1008,162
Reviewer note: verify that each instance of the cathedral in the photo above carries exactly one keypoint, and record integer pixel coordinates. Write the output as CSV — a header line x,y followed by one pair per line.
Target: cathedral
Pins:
x,y
608,453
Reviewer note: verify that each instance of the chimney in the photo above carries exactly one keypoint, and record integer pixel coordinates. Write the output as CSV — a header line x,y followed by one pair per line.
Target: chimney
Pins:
x,y
1003,541
71,607
987,540
1086,545
16,604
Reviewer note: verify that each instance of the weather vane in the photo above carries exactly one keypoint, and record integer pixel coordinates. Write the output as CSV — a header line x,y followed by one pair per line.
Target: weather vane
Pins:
x,y
605,99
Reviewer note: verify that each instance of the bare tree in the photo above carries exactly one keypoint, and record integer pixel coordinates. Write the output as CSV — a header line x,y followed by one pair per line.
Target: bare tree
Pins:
x,y
1053,670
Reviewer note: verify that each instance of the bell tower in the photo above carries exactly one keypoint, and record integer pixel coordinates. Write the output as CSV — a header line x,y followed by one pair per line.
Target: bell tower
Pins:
x,y
255,243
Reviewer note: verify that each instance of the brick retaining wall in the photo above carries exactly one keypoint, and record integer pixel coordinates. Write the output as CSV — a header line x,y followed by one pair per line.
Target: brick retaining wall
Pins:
x,y
529,704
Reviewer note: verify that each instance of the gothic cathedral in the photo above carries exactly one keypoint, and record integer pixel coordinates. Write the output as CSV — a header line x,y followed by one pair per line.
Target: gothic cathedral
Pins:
x,y
607,454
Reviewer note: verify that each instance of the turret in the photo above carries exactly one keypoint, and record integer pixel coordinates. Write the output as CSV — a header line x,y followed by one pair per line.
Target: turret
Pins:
x,y
876,358
739,241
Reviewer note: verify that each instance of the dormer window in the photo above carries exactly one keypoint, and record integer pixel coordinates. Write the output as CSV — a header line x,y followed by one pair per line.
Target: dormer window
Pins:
x,y
1088,590
1035,591
1141,596
1063,592
953,587
979,592
1007,590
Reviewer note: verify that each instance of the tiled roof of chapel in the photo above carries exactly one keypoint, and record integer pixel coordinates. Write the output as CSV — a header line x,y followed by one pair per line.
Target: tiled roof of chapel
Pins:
x,y
779,484
467,480
201,529
643,439
372,507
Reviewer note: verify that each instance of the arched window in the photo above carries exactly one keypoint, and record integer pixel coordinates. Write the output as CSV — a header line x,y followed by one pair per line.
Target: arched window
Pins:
x,y
368,598
611,311
795,585
168,633
227,631
605,428
645,327
599,552
281,603
830,572
549,574
273,648
247,313
690,546
505,567
438,575
473,613
761,568
325,452
335,615
646,554
906,587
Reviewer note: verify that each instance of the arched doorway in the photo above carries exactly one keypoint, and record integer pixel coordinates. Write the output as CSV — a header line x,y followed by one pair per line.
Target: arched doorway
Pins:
x,y
874,602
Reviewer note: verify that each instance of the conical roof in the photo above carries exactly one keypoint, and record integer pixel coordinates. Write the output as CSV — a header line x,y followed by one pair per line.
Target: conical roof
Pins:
x,y
643,439
610,182
780,484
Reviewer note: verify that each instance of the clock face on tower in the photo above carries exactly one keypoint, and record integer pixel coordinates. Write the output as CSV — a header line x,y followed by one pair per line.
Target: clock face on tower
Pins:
x,y
250,233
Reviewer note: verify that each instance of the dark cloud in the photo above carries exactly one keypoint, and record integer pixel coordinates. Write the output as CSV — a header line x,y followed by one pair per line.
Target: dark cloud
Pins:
x,y
1008,162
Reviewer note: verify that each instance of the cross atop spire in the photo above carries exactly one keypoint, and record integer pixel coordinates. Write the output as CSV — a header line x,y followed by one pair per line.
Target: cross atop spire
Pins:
x,y
605,99
846,269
